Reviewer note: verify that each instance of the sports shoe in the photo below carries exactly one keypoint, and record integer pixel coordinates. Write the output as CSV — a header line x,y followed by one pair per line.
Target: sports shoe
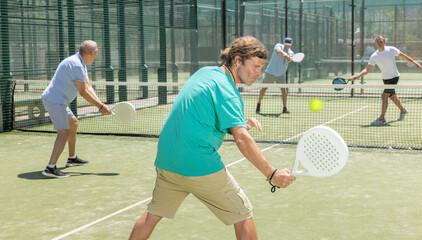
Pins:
x,y
76,162
286,111
379,122
54,172
402,115
258,107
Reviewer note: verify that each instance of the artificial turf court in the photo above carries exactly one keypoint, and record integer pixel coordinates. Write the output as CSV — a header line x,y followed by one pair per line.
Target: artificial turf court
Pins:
x,y
376,196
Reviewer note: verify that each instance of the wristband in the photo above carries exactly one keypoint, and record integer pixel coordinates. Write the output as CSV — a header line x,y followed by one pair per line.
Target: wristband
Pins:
x,y
100,107
273,188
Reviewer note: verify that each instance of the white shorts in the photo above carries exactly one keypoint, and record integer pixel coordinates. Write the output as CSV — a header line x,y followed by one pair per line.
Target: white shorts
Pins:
x,y
59,114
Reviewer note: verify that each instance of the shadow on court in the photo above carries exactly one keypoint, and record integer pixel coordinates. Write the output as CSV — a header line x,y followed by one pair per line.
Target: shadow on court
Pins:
x,y
37,175
269,114
386,125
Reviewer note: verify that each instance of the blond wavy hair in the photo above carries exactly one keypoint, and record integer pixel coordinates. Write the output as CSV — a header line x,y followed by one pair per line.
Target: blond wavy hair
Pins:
x,y
244,47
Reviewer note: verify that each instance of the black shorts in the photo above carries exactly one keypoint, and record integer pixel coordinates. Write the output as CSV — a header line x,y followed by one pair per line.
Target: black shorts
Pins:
x,y
392,81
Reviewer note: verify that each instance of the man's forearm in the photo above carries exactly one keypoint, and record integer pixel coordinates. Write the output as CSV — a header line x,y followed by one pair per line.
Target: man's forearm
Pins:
x,y
90,96
250,150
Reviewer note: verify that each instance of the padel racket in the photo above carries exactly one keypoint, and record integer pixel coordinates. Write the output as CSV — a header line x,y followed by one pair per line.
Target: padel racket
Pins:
x,y
124,112
298,57
340,80
321,151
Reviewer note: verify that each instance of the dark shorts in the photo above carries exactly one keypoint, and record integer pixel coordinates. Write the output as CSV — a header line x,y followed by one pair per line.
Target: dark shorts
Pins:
x,y
392,81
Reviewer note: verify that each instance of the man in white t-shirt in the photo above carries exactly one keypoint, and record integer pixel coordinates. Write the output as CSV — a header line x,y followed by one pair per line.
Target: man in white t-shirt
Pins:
x,y
276,71
384,57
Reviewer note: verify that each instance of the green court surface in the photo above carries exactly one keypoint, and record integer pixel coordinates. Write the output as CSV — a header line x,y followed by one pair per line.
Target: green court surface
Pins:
x,y
376,196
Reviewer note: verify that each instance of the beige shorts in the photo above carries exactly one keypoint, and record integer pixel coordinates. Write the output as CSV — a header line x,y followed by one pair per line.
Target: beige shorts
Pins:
x,y
269,78
218,191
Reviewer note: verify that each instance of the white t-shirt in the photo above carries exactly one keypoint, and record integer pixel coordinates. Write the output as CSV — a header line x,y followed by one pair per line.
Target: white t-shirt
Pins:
x,y
386,62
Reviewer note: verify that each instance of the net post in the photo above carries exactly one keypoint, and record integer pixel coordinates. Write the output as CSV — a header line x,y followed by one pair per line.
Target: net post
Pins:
x,y
143,67
162,90
122,74
6,85
143,73
109,89
72,43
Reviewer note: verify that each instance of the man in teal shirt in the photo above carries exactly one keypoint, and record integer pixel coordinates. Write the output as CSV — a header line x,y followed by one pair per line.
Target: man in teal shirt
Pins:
x,y
192,134
208,107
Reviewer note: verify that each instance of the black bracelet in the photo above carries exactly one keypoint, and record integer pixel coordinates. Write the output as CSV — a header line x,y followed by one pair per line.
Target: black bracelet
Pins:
x,y
100,107
273,188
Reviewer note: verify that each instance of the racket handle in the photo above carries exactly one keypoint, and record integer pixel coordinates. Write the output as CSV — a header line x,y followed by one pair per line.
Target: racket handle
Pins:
x,y
298,173
112,112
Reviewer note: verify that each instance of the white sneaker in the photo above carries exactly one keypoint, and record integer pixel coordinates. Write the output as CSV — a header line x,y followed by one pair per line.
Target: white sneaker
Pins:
x,y
402,115
379,122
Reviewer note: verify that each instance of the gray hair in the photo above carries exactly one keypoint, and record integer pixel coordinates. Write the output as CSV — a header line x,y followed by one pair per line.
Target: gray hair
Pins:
x,y
87,47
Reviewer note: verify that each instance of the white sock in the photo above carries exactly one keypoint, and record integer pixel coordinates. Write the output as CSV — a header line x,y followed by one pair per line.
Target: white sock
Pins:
x,y
73,157
51,165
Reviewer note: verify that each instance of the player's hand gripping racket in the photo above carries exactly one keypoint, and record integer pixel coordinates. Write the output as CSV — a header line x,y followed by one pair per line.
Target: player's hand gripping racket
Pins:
x,y
321,151
124,112
340,80
298,57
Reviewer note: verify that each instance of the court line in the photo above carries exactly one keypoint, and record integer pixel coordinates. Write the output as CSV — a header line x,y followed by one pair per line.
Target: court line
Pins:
x,y
240,160
345,115
102,219
134,205
326,123
148,199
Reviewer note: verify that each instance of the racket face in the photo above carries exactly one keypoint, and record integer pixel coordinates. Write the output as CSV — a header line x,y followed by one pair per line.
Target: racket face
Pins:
x,y
298,57
339,81
124,112
322,152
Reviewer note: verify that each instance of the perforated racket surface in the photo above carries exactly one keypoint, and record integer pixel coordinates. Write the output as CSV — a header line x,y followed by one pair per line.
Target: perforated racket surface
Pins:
x,y
298,57
340,80
124,112
321,151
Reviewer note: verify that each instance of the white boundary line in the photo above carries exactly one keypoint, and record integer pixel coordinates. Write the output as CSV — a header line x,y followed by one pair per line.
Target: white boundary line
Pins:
x,y
134,205
332,120
102,219
345,115
148,199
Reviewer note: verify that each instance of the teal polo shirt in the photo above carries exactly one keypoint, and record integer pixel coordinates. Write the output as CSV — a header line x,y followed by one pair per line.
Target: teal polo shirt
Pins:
x,y
208,105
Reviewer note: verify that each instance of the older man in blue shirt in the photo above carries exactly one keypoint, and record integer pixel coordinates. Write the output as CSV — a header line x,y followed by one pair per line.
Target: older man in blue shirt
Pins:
x,y
70,78
276,71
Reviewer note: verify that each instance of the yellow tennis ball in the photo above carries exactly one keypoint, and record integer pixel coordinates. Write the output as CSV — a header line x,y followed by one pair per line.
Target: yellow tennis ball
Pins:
x,y
316,104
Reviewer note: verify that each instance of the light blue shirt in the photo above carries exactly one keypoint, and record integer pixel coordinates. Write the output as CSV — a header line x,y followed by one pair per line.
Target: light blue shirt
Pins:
x,y
208,105
62,88
278,64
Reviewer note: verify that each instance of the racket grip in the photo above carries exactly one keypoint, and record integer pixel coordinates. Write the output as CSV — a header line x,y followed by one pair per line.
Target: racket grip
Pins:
x,y
112,112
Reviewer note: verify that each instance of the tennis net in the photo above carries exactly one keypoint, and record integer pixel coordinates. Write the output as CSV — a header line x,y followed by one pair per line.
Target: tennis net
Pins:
x,y
349,111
